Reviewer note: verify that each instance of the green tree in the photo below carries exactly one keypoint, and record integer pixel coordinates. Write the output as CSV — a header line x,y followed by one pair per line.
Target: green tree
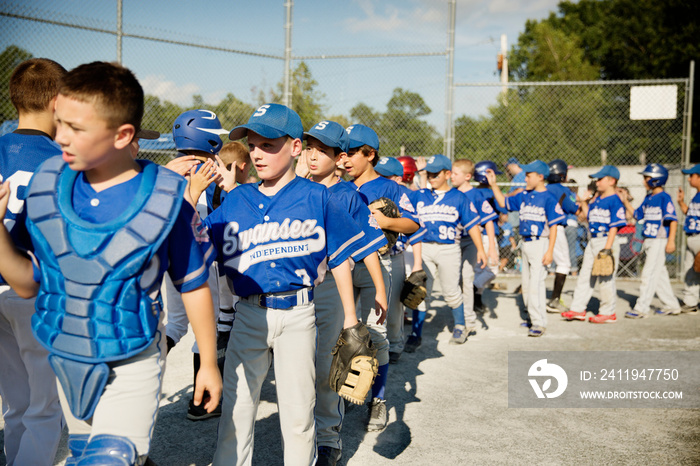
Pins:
x,y
9,59
306,98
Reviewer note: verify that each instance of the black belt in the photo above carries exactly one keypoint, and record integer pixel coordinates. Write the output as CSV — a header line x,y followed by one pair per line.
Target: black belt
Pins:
x,y
599,235
527,239
285,300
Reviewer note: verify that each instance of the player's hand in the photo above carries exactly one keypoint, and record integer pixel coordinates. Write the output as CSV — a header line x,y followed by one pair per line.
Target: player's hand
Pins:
x,y
380,218
5,194
481,258
202,178
548,258
493,256
671,246
182,165
209,379
302,168
491,177
380,307
227,178
421,163
681,195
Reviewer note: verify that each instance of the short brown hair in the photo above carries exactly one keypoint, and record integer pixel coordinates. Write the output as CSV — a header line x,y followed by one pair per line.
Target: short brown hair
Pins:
x,y
234,152
467,166
34,83
366,150
111,88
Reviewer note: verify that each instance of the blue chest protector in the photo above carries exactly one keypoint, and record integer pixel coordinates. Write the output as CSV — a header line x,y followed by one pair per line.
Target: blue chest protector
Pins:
x,y
98,300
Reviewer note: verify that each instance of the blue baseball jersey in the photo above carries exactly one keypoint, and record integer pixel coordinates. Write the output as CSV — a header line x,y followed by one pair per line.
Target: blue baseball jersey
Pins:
x,y
484,206
444,214
345,195
657,211
382,187
280,243
21,152
567,197
692,217
538,212
417,236
487,194
605,213
506,234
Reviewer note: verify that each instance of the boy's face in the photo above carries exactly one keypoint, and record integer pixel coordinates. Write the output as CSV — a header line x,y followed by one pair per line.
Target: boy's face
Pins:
x,y
83,134
356,163
533,179
604,183
438,180
694,180
272,158
458,177
319,157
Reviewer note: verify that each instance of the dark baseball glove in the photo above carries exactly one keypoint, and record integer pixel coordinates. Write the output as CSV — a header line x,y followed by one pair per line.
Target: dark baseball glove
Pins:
x,y
354,365
413,292
603,264
389,209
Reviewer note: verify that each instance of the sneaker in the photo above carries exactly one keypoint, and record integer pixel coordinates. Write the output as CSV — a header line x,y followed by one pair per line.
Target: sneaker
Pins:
x,y
603,319
689,309
635,314
459,335
471,329
667,312
394,357
573,315
536,331
198,413
525,323
328,456
377,415
412,344
555,306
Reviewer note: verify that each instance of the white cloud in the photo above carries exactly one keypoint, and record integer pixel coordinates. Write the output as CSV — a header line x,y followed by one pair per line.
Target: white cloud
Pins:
x,y
164,89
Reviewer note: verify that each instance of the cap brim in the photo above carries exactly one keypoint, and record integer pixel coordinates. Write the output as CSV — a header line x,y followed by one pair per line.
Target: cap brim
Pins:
x,y
239,132
691,171
324,139
147,134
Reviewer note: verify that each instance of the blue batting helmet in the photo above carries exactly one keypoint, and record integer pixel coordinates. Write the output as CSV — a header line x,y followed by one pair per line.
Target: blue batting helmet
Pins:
x,y
657,173
557,171
480,171
198,130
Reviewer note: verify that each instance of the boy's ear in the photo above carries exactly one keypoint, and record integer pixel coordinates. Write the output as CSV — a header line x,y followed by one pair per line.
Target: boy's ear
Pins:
x,y
125,134
297,146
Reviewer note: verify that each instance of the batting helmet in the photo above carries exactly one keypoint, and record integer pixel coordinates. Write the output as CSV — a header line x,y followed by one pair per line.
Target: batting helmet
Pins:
x,y
480,171
557,171
409,168
657,173
198,130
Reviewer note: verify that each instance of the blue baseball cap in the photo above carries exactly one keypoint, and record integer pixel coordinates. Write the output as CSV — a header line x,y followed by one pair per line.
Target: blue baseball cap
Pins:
x,y
537,166
361,135
389,166
511,161
271,121
330,133
692,170
608,170
437,163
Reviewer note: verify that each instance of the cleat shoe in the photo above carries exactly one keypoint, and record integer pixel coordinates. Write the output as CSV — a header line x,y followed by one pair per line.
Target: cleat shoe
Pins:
x,y
689,309
412,344
636,315
603,319
198,413
394,357
555,306
573,315
459,335
667,312
377,415
328,456
471,329
536,331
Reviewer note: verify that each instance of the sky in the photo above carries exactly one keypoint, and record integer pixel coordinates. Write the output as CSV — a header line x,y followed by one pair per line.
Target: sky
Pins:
x,y
319,28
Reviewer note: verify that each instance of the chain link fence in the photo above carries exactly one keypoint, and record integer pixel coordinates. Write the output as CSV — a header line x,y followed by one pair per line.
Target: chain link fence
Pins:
x,y
587,124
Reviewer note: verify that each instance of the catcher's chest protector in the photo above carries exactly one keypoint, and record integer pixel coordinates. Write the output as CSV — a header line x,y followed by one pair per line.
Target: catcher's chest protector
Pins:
x,y
93,304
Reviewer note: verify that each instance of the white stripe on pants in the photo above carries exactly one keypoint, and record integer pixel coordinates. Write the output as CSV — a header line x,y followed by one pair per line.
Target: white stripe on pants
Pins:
x,y
534,274
655,277
586,283
691,278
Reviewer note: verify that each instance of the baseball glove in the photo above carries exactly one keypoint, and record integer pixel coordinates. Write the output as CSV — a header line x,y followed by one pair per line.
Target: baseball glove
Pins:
x,y
696,264
413,292
389,209
354,365
603,264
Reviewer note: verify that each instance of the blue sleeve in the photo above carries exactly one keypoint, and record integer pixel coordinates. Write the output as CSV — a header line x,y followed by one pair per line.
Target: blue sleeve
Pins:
x,y
189,250
343,235
669,210
374,238
513,202
555,214
618,214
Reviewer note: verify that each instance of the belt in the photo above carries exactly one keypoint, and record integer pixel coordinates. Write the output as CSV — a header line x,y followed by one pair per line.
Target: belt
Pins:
x,y
692,234
599,235
285,300
527,239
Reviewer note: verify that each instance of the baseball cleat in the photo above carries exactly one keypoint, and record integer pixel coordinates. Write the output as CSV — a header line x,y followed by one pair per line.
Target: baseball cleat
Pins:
x,y
573,315
603,319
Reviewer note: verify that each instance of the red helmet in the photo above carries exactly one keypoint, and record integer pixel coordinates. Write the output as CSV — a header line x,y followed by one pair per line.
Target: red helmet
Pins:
x,y
409,168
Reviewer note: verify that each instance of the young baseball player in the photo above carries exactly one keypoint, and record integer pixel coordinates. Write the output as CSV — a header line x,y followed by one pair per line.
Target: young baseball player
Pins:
x,y
30,408
326,142
660,222
363,156
539,212
274,240
446,213
691,278
558,170
606,215
105,228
